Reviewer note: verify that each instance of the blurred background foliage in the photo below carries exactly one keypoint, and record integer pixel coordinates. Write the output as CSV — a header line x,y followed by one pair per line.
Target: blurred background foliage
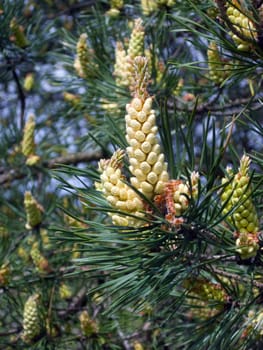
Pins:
x,y
71,279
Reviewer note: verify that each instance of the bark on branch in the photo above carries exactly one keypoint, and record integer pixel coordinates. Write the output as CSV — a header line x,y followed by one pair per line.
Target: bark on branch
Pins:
x,y
81,157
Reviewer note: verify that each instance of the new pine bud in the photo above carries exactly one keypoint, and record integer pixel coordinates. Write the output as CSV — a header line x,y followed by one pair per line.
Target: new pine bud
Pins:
x,y
136,43
28,142
65,291
84,61
29,82
18,35
121,67
124,63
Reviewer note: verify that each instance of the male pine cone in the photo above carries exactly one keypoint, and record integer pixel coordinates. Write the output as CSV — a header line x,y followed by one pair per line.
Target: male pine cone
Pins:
x,y
33,211
245,219
118,193
218,69
31,319
246,32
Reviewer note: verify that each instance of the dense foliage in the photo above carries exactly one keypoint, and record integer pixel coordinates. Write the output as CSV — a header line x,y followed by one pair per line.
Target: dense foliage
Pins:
x,y
131,166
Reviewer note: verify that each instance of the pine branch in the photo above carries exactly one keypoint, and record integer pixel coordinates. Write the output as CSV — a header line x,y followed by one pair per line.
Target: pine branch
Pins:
x,y
11,332
73,159
16,174
74,8
75,304
125,342
234,107
20,90
237,277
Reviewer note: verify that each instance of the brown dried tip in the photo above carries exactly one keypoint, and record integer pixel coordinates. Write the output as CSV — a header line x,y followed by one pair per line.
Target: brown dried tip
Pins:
x,y
141,77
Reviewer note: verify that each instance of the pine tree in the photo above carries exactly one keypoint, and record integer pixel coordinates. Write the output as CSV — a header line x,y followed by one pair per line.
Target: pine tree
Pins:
x,y
131,174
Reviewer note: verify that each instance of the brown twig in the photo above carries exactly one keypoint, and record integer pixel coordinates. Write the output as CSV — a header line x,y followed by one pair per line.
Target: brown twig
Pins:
x,y
234,107
11,332
74,8
22,97
124,339
238,278
74,305
16,174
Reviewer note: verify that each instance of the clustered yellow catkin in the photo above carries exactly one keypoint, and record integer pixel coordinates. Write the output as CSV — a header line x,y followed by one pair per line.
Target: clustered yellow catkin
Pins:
x,y
76,252
150,6
146,160
84,61
201,294
72,98
46,243
87,325
124,63
121,67
218,68
4,275
118,4
244,216
226,194
160,68
136,43
31,319
178,89
33,211
28,142
23,254
253,324
115,7
137,345
147,165
241,20
18,35
40,262
3,232
118,193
